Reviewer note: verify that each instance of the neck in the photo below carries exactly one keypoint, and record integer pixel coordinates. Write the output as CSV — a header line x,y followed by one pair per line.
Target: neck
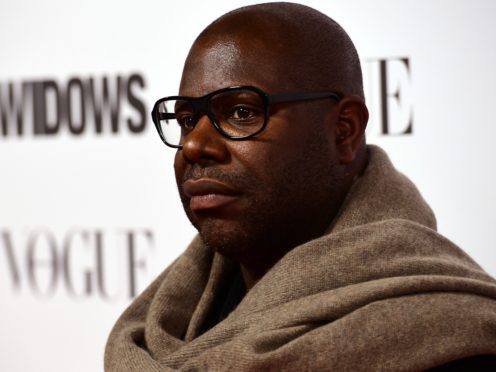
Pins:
x,y
250,277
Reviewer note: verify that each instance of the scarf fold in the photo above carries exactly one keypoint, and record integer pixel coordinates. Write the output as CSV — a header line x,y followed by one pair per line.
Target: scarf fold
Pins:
x,y
381,290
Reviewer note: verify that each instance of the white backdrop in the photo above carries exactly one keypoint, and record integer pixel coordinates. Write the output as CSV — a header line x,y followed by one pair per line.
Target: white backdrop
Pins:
x,y
89,219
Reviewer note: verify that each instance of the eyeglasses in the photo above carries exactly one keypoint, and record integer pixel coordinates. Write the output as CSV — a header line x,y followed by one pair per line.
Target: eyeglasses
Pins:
x,y
237,112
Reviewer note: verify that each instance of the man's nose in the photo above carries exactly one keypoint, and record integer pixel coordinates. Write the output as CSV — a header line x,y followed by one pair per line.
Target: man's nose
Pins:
x,y
204,143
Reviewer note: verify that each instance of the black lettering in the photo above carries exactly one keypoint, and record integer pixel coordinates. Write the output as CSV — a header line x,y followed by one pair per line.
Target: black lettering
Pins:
x,y
385,95
409,128
100,267
11,260
105,103
66,266
12,106
34,264
139,125
75,90
133,264
42,107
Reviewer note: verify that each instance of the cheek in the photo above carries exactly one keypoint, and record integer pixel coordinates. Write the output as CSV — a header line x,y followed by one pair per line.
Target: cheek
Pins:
x,y
258,159
280,145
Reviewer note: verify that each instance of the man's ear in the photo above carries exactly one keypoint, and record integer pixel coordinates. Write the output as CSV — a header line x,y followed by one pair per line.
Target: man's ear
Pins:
x,y
350,127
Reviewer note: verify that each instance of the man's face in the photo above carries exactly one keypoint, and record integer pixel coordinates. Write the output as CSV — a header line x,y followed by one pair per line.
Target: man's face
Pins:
x,y
251,199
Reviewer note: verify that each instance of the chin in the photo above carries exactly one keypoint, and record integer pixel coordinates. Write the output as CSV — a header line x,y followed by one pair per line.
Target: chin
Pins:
x,y
225,237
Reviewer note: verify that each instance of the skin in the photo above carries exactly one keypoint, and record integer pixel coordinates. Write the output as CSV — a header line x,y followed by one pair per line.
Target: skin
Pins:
x,y
289,181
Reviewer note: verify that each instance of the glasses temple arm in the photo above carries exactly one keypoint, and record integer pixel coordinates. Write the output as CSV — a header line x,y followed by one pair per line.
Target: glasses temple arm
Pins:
x,y
165,116
281,98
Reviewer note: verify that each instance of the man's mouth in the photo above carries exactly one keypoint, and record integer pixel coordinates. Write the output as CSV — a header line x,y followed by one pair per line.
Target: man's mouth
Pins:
x,y
208,193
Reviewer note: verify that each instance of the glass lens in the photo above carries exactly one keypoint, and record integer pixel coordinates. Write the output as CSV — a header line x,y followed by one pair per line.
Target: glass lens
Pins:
x,y
174,117
239,113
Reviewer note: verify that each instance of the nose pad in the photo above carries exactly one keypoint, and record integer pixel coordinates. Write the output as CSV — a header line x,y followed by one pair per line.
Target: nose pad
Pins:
x,y
204,143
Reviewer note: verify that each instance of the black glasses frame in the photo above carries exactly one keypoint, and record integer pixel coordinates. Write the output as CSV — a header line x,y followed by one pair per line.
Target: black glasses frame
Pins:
x,y
201,105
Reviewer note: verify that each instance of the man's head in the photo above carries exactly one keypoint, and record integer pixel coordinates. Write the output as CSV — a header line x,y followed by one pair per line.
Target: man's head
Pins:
x,y
254,200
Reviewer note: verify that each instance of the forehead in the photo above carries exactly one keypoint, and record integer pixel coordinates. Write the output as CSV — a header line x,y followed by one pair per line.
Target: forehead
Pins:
x,y
225,62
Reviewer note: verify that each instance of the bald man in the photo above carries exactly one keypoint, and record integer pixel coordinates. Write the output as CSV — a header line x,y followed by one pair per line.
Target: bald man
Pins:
x,y
313,252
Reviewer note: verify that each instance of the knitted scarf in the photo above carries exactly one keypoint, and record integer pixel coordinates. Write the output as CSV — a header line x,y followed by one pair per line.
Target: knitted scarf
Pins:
x,y
381,290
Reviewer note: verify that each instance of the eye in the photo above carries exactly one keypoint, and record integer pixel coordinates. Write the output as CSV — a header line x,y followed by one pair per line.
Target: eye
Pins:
x,y
186,122
242,116
242,113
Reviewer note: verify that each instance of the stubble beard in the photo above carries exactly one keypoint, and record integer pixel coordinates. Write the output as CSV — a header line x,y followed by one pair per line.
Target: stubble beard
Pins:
x,y
299,209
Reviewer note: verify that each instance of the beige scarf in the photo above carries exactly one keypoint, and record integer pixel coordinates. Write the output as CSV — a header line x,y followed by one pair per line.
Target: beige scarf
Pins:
x,y
380,291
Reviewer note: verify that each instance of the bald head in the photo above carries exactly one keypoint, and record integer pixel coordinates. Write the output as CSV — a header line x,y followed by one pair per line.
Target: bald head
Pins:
x,y
294,46
286,184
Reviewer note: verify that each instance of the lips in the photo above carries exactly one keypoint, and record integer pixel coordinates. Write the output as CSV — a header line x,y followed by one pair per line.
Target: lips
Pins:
x,y
207,193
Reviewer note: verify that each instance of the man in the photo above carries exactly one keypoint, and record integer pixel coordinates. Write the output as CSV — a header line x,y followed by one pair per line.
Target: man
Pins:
x,y
313,253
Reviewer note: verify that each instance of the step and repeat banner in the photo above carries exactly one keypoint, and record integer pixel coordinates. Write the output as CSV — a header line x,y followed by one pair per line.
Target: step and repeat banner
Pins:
x,y
89,212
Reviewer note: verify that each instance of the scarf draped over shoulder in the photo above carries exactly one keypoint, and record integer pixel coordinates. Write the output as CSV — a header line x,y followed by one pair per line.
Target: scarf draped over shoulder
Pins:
x,y
381,290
